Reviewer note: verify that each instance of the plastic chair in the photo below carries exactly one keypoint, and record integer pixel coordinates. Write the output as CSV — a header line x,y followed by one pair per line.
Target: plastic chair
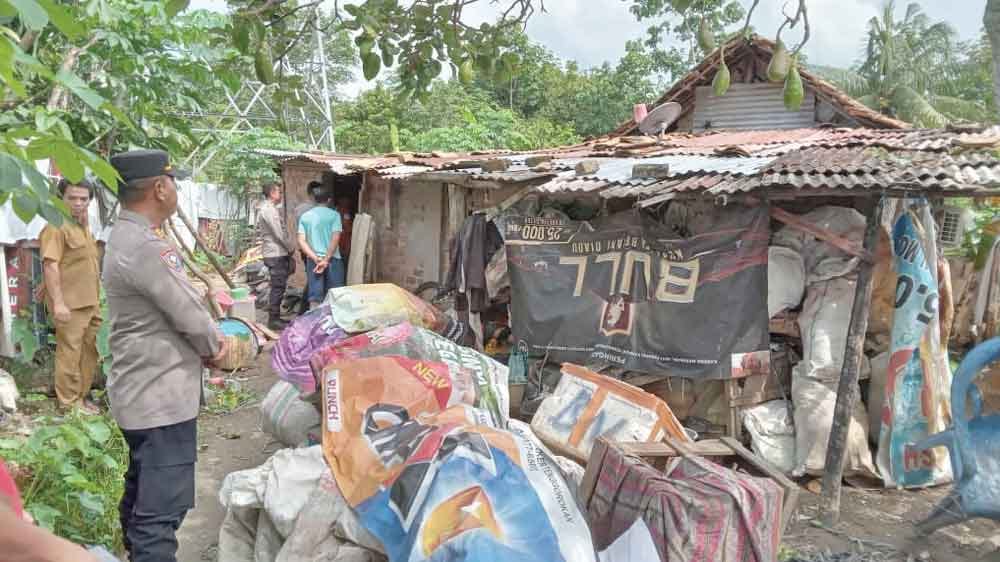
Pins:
x,y
973,444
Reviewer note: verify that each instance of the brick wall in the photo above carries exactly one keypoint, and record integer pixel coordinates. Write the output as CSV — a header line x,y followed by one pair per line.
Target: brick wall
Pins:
x,y
296,177
408,218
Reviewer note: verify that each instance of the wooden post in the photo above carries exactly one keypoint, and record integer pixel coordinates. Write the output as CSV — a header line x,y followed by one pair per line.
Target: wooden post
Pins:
x,y
847,390
208,252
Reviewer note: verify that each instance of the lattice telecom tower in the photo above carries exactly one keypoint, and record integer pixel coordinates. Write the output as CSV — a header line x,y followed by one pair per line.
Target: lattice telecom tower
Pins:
x,y
309,120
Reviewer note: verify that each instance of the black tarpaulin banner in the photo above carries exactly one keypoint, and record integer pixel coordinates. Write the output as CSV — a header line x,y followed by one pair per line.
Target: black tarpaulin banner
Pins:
x,y
628,293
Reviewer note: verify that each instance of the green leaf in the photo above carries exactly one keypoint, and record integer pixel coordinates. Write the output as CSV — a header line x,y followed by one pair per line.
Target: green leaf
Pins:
x,y
98,431
10,444
681,6
175,7
241,36
76,480
91,502
510,60
68,161
39,183
105,172
451,37
40,148
121,116
8,52
61,207
51,214
80,88
31,62
10,173
25,207
109,462
6,10
62,19
32,14
75,437
370,65
44,515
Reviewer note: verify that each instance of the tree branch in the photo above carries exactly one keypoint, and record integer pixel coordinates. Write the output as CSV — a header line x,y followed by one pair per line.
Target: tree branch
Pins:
x,y
13,104
293,11
69,61
801,15
28,40
753,7
267,6
805,21
296,39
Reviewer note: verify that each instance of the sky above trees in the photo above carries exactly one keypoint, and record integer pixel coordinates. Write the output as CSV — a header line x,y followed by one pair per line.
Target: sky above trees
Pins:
x,y
593,32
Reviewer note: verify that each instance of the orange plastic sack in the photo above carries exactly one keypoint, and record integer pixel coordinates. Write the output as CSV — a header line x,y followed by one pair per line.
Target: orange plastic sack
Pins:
x,y
431,476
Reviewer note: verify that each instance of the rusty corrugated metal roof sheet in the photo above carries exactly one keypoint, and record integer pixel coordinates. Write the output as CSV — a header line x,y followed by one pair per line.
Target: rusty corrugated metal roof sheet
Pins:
x,y
721,162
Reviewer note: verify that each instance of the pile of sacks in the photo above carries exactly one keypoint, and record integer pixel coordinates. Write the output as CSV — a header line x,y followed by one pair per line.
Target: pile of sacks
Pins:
x,y
402,449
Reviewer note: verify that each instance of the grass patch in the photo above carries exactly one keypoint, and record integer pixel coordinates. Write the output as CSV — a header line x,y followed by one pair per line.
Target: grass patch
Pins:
x,y
229,399
71,474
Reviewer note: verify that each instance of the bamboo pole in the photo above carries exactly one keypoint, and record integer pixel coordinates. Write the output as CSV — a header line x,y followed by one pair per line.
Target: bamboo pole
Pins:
x,y
213,305
201,242
847,390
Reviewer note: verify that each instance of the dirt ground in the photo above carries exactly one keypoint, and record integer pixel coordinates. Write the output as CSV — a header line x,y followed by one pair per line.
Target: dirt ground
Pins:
x,y
226,443
876,525
879,525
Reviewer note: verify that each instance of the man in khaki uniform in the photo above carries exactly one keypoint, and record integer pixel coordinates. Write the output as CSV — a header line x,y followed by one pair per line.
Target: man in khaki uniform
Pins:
x,y
277,251
72,292
161,335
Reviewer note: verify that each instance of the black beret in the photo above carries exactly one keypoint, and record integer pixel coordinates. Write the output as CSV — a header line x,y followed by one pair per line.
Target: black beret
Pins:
x,y
139,164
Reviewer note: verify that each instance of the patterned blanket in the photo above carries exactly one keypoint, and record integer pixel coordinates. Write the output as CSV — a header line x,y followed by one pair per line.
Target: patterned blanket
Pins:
x,y
698,511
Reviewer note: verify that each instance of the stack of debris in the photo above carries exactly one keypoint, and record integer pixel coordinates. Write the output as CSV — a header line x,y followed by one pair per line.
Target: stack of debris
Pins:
x,y
403,448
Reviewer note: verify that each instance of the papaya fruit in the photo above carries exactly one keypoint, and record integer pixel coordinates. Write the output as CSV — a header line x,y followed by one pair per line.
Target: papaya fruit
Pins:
x,y
793,91
777,69
465,72
706,39
370,65
720,84
263,65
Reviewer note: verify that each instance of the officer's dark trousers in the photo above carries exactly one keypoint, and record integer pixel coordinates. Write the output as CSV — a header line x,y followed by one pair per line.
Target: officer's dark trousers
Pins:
x,y
277,269
159,489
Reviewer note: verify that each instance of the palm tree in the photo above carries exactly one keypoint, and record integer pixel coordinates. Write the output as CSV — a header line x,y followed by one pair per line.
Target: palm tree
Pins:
x,y
906,68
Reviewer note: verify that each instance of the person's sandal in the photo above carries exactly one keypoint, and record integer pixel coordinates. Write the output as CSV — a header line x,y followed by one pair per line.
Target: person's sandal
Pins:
x,y
88,408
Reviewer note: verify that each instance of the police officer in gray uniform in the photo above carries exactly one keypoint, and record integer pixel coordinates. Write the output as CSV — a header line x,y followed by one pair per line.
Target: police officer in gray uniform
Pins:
x,y
161,335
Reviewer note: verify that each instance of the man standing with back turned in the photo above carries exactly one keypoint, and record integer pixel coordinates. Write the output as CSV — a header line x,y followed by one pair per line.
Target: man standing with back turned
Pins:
x,y
72,295
161,334
319,240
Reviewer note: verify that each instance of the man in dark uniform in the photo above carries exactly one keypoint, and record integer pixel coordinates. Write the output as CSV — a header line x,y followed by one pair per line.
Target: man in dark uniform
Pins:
x,y
161,335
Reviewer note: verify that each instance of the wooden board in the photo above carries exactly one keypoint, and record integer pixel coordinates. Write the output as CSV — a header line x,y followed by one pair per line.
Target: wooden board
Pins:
x,y
360,238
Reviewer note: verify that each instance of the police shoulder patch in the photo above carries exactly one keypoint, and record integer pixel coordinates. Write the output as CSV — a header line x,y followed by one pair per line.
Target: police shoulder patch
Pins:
x,y
173,261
